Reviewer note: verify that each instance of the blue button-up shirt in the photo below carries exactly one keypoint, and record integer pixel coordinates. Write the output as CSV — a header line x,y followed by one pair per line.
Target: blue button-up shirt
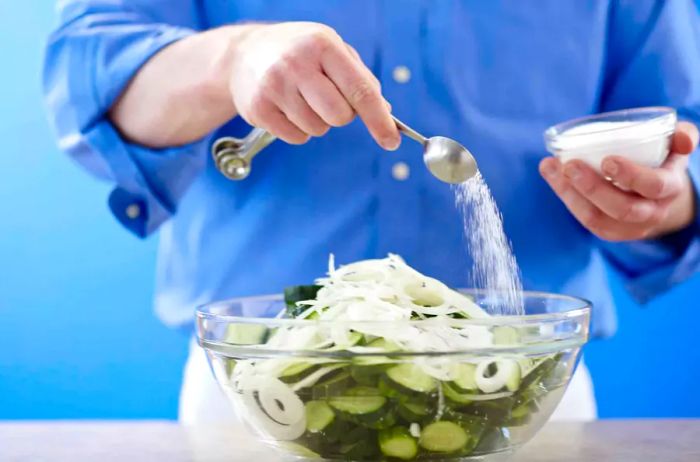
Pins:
x,y
491,74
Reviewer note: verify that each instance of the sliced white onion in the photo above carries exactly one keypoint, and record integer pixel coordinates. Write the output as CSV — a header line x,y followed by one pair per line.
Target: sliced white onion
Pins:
x,y
505,369
272,407
314,377
486,397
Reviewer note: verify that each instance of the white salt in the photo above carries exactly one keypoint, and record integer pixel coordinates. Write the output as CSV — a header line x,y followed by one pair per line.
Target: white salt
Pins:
x,y
494,267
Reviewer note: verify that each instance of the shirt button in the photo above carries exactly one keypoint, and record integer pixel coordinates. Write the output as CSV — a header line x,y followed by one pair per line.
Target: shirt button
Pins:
x,y
400,171
133,211
401,74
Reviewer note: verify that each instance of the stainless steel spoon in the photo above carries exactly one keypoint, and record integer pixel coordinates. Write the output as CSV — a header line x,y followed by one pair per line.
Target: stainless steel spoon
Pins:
x,y
446,159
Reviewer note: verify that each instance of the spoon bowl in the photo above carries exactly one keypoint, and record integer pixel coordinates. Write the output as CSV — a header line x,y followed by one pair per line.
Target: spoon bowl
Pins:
x,y
448,160
445,158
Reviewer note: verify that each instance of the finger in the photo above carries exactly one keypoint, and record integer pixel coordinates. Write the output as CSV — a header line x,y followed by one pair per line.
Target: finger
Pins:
x,y
357,57
325,99
300,114
277,123
591,217
652,183
356,84
685,139
611,200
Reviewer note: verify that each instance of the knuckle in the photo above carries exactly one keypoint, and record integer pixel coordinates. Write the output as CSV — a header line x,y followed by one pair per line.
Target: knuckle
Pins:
x,y
607,235
314,128
657,186
320,39
289,65
256,115
298,138
659,216
340,116
273,82
320,130
591,220
362,93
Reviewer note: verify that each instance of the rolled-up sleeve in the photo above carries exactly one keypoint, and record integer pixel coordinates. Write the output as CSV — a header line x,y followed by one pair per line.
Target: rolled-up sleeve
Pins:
x,y
90,58
654,59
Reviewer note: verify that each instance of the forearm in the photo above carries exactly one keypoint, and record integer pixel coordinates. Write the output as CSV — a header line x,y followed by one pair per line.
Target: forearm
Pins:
x,y
182,92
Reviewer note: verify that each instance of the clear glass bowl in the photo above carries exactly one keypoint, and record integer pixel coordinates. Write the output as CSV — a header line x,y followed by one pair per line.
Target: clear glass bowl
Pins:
x,y
335,401
642,135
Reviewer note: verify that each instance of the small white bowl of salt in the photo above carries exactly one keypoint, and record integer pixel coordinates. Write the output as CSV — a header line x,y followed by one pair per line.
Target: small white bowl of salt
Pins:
x,y
642,135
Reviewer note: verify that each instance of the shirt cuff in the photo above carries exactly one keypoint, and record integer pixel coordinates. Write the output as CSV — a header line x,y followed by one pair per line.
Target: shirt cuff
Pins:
x,y
150,182
652,267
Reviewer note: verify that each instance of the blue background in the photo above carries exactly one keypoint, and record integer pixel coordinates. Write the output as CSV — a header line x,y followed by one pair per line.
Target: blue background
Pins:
x,y
77,335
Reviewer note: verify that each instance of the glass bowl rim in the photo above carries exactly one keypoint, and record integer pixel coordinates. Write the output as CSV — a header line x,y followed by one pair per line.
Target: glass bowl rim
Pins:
x,y
658,113
581,309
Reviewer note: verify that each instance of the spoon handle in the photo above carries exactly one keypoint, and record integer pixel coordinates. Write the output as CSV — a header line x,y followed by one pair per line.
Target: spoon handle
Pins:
x,y
408,131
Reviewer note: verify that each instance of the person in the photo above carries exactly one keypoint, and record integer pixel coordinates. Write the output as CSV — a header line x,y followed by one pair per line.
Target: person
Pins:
x,y
138,90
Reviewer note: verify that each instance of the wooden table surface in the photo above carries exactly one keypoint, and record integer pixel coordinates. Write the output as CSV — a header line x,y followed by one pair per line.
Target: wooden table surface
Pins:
x,y
146,441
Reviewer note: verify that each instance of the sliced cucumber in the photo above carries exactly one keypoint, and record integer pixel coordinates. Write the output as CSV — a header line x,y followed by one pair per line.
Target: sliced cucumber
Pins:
x,y
465,376
443,436
413,411
332,386
229,365
297,371
318,416
384,344
367,375
397,442
505,335
455,396
295,294
245,334
372,360
380,420
412,377
358,401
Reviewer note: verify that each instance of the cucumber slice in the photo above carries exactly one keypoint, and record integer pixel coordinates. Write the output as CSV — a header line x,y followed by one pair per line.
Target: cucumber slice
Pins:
x,y
358,401
397,442
505,335
454,395
443,436
384,344
332,386
465,376
372,360
318,416
245,334
412,377
297,371
367,375
230,366
413,411
295,294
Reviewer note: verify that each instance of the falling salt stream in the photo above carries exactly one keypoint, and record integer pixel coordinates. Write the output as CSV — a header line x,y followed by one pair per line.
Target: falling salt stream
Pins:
x,y
494,267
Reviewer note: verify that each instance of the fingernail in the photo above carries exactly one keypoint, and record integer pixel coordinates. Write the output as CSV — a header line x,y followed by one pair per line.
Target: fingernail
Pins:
x,y
572,172
392,144
610,168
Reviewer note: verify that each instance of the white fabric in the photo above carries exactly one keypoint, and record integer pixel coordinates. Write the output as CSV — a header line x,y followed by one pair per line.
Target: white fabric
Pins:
x,y
202,401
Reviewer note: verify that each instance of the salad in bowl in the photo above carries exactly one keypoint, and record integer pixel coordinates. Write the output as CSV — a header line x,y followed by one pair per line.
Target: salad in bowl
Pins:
x,y
377,361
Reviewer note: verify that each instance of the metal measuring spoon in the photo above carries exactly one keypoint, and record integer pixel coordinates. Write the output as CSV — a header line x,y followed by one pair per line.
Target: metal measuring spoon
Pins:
x,y
446,159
